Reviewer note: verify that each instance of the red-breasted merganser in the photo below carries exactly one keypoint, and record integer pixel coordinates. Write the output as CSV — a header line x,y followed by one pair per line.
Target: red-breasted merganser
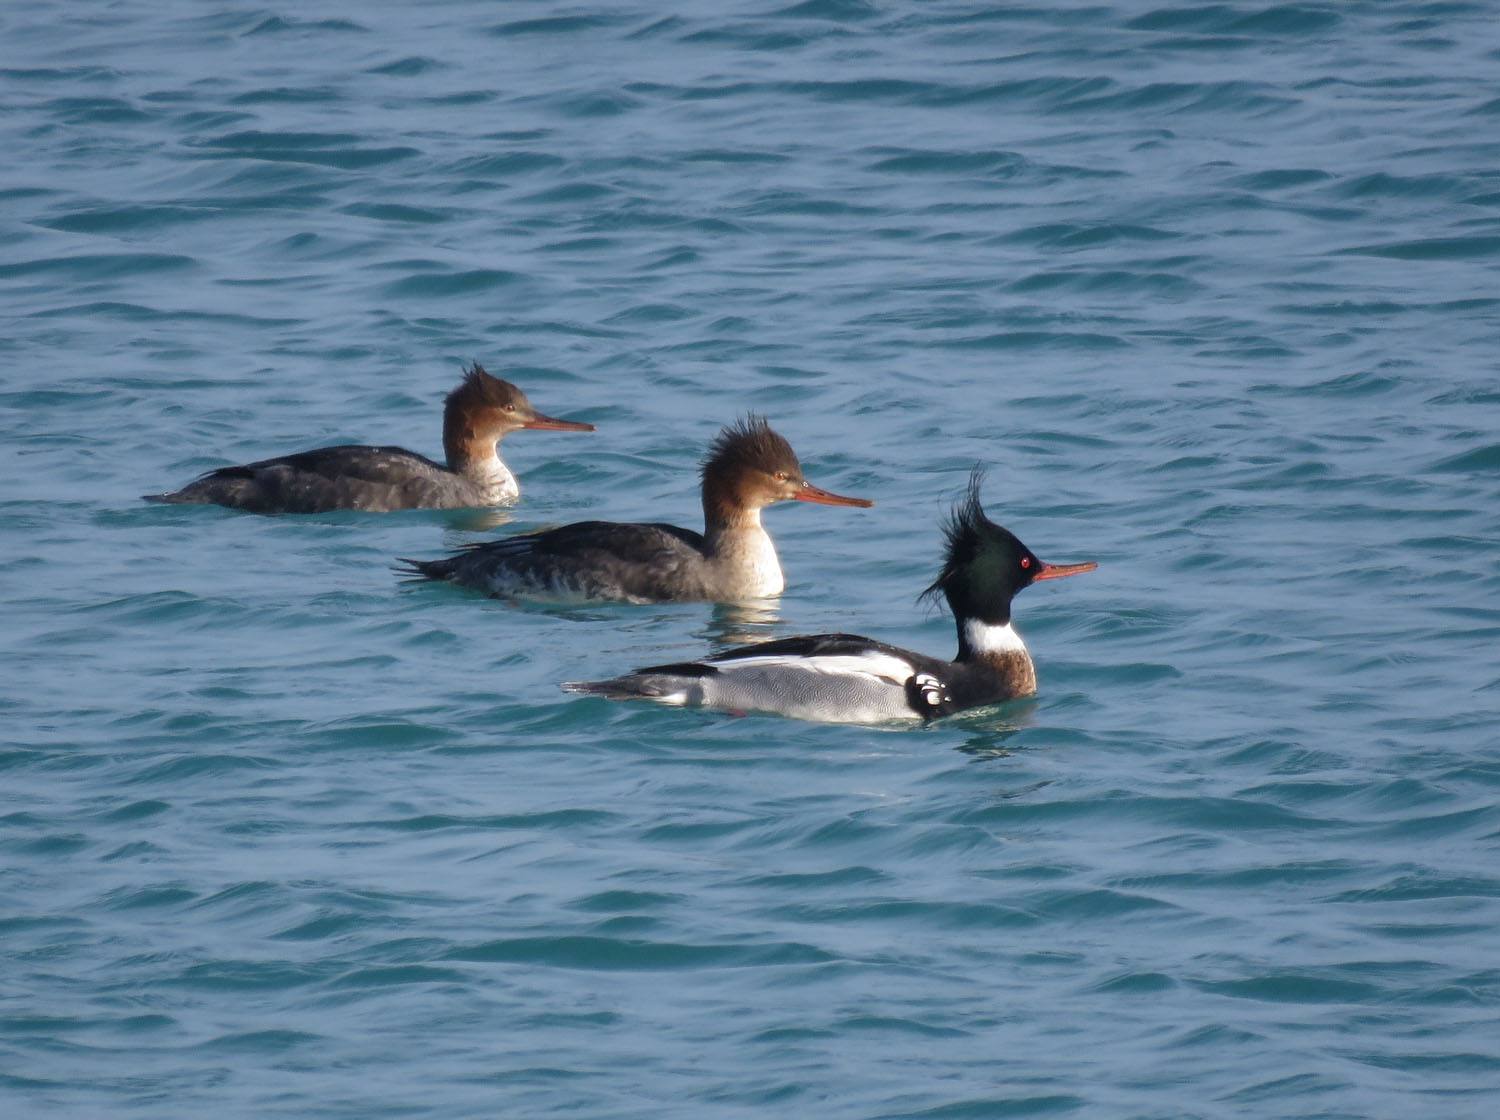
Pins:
x,y
844,678
475,417
748,467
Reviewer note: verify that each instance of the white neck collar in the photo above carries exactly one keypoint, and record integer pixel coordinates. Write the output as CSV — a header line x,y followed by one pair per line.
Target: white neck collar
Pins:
x,y
986,637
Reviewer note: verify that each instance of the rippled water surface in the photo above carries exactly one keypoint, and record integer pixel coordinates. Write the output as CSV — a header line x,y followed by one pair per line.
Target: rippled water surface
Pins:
x,y
1212,293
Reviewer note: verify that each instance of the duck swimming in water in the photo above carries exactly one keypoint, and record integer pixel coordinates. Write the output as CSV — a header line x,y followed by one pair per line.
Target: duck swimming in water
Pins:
x,y
476,416
748,468
846,678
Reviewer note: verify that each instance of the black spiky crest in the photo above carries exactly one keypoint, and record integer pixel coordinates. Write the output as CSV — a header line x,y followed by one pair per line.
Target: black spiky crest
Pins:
x,y
751,442
984,564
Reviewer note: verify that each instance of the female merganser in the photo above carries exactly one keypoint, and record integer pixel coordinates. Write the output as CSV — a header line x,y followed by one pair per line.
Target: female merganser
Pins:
x,y
845,678
475,416
748,468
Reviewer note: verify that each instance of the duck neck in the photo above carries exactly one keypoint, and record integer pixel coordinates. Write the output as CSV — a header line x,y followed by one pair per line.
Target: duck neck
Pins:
x,y
477,460
738,544
465,448
467,453
999,649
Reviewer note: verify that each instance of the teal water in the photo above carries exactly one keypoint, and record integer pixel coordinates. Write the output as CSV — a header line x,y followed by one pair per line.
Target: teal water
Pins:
x,y
1211,291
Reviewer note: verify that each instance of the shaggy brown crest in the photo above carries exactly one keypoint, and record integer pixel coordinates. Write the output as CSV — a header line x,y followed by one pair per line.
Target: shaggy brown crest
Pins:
x,y
481,388
751,442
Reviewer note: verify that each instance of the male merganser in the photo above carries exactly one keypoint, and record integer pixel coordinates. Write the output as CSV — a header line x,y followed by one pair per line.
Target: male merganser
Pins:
x,y
749,466
475,416
844,678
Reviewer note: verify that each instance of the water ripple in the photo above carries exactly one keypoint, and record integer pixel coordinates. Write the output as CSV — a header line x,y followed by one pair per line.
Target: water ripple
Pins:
x,y
1207,290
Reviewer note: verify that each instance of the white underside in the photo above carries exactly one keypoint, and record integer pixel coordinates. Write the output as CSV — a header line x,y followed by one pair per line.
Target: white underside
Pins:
x,y
844,688
496,483
756,567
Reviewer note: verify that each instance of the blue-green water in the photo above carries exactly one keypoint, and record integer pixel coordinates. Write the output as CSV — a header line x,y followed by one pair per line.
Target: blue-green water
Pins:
x,y
1213,293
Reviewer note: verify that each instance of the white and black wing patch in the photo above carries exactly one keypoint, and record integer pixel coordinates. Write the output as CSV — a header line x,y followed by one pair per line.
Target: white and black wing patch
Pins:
x,y
927,695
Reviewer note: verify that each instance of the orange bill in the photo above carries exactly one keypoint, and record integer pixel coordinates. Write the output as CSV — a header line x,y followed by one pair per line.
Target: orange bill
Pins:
x,y
540,423
1057,571
811,493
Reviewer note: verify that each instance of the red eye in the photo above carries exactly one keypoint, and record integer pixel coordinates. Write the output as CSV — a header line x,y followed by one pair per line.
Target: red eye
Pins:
x,y
1026,561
